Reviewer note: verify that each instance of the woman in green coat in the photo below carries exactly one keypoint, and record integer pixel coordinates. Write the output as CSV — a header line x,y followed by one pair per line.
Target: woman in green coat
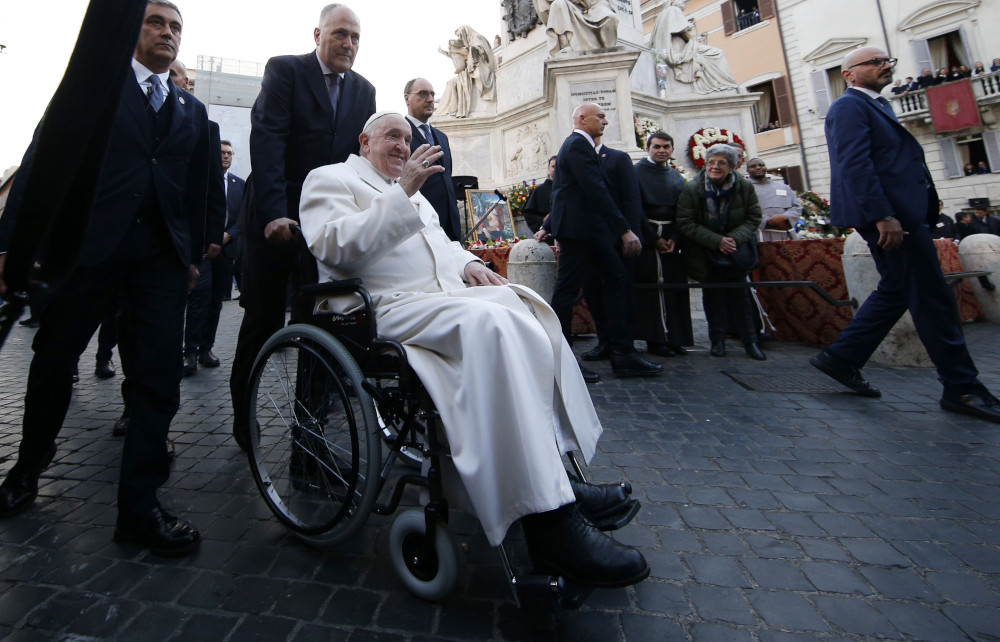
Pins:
x,y
718,212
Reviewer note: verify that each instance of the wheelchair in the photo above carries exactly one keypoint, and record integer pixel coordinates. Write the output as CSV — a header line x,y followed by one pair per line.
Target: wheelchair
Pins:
x,y
326,397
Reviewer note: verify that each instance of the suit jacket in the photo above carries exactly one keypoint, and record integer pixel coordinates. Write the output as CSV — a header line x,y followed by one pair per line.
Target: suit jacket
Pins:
x,y
234,198
175,168
877,167
623,184
438,188
582,208
215,213
294,132
989,225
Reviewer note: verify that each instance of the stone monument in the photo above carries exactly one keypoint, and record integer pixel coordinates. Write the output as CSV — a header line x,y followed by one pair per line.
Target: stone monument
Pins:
x,y
558,54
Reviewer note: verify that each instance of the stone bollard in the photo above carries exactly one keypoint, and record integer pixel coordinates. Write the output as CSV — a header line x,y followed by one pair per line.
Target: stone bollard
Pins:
x,y
533,265
902,346
982,252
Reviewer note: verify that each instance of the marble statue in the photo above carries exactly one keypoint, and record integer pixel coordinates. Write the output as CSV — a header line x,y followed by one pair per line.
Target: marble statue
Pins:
x,y
693,62
520,17
581,25
475,73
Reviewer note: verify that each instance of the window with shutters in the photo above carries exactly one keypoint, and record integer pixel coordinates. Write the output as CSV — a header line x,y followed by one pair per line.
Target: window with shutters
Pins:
x,y
774,108
738,15
969,155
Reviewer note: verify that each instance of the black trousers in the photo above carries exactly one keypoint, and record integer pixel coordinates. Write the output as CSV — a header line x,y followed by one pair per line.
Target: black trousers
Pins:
x,y
107,335
267,273
576,260
152,282
728,307
205,303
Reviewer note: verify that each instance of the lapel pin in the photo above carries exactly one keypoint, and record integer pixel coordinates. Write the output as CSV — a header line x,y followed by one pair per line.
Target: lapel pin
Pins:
x,y
180,99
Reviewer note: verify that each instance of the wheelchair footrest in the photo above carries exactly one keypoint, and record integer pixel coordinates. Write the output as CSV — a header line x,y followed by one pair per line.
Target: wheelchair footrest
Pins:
x,y
620,518
546,592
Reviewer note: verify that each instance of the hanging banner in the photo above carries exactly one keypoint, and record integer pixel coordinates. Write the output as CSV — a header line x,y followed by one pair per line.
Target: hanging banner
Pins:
x,y
953,106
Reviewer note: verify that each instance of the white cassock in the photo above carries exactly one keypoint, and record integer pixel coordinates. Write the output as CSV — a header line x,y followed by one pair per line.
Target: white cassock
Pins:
x,y
493,358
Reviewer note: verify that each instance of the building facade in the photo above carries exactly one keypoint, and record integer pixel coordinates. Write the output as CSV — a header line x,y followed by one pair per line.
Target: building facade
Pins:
x,y
922,34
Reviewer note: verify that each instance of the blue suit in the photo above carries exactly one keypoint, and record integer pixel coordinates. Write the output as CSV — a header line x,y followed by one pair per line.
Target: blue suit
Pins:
x,y
146,226
878,170
234,198
438,188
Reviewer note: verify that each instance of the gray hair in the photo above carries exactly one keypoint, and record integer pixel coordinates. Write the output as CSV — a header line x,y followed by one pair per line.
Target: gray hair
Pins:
x,y
327,10
167,4
732,156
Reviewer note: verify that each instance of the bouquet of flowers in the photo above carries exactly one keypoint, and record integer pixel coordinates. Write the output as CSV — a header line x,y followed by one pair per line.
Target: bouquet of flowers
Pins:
x,y
680,168
815,221
643,128
482,245
517,196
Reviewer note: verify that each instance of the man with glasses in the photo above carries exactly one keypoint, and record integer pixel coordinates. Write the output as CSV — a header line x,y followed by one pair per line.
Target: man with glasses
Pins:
x,y
438,188
881,187
310,112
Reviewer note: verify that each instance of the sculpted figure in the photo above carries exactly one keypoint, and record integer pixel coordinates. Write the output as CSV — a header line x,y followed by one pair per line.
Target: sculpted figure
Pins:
x,y
475,71
520,17
695,63
582,25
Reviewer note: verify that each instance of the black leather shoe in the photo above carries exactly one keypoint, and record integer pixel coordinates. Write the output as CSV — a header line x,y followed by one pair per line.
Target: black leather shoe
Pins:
x,y
718,349
661,350
76,374
104,369
678,349
208,359
161,533
630,364
845,374
120,427
754,352
598,501
19,490
190,363
30,322
600,353
589,375
562,543
981,405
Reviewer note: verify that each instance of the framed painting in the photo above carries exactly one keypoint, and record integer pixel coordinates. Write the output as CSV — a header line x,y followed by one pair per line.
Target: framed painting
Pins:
x,y
497,225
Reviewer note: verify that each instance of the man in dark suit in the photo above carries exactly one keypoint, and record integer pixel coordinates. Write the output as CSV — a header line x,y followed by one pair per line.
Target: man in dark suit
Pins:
x,y
593,234
310,111
438,188
143,241
983,223
234,198
216,270
882,188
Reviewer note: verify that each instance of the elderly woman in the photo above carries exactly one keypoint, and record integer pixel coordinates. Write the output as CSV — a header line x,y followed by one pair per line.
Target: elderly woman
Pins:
x,y
718,212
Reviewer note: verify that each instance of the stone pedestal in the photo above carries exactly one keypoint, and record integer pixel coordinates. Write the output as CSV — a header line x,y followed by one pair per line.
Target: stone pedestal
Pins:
x,y
982,252
533,265
901,347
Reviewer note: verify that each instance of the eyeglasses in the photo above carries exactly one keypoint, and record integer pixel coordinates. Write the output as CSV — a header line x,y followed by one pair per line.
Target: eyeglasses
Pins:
x,y
423,94
878,62
720,163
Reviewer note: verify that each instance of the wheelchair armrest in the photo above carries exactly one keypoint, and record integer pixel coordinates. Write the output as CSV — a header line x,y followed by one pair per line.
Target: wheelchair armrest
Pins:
x,y
331,287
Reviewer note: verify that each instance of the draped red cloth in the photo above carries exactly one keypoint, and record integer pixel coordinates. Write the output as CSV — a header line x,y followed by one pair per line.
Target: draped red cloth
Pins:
x,y
799,314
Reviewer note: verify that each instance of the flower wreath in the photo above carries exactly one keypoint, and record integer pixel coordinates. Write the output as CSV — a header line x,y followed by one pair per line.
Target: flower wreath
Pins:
x,y
704,138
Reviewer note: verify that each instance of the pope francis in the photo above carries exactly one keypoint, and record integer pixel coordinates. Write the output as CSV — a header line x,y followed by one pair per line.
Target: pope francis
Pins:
x,y
491,355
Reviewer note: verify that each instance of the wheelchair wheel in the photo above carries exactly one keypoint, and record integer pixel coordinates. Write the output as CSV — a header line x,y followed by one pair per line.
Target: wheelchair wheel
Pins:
x,y
315,442
430,579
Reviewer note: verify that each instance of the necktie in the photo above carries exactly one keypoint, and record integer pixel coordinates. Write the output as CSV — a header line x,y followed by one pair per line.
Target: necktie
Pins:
x,y
425,129
156,95
334,92
886,107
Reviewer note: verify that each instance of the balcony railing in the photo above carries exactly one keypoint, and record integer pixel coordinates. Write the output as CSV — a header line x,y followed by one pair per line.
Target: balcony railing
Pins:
x,y
913,104
230,66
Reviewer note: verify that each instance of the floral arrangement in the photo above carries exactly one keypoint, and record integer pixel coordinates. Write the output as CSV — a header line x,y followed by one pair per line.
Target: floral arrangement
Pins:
x,y
704,138
680,168
517,196
482,245
643,128
815,221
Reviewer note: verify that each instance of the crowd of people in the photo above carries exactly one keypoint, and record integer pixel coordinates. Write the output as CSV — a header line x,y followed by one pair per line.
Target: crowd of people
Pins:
x,y
339,190
930,78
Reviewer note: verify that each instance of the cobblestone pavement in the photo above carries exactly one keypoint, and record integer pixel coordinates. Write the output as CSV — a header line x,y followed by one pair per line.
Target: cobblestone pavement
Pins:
x,y
775,508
